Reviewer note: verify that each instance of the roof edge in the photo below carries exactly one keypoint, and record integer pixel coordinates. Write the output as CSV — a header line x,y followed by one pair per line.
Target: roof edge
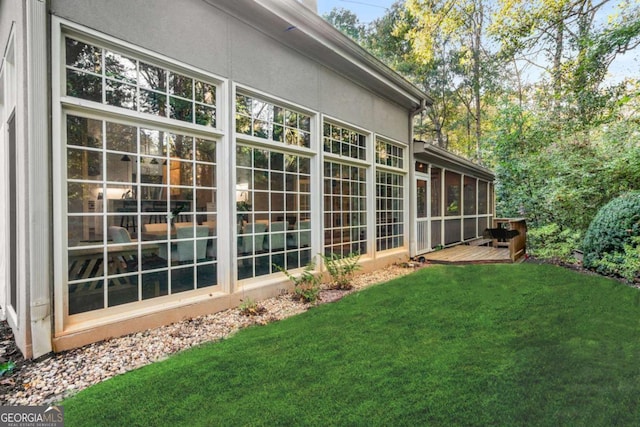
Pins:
x,y
434,152
314,26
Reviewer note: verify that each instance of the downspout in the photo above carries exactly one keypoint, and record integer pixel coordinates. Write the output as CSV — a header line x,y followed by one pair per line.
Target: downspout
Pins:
x,y
413,209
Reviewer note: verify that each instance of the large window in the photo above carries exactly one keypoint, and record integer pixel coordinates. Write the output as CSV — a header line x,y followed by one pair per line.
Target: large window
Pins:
x,y
140,215
389,154
389,196
345,209
273,189
110,77
267,120
345,190
273,211
114,78
341,141
389,210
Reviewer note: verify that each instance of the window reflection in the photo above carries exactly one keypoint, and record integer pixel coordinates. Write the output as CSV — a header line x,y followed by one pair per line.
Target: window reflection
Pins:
x,y
345,218
389,211
265,120
135,85
342,141
273,226
151,200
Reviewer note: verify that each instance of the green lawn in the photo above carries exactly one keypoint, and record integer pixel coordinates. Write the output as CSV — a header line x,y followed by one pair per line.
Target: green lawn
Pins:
x,y
481,345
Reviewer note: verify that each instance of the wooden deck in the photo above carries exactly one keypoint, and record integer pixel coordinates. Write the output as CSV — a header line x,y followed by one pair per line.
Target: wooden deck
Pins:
x,y
468,254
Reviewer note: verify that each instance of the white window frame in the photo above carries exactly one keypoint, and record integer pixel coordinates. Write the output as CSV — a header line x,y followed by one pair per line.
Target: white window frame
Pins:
x,y
8,109
312,152
63,105
404,172
367,164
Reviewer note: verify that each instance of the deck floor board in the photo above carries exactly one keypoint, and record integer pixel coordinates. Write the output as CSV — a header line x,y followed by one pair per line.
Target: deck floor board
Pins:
x,y
466,254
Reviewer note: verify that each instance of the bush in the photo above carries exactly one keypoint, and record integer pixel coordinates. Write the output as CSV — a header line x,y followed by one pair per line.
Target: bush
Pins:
x,y
306,284
251,308
341,269
549,241
614,226
625,265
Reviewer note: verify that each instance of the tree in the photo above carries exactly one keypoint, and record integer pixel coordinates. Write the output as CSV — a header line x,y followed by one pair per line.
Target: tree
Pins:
x,y
347,22
448,33
566,40
388,38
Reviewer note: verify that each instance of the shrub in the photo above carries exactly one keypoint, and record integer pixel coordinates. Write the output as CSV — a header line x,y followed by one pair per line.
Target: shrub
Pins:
x,y
550,241
306,285
251,308
614,226
625,264
341,269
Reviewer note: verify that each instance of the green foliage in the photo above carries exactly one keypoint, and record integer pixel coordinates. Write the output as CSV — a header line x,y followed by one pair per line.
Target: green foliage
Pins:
x,y
550,241
306,284
249,307
341,269
625,264
550,176
347,22
7,367
615,225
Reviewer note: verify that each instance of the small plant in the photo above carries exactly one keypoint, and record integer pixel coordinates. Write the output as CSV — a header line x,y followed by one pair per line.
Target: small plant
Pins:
x,y
251,308
7,367
341,269
306,285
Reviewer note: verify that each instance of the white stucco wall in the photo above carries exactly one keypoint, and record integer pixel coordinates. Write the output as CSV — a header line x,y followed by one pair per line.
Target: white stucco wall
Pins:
x,y
203,36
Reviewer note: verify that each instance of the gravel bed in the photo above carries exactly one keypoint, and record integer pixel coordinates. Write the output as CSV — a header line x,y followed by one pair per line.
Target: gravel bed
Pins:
x,y
56,376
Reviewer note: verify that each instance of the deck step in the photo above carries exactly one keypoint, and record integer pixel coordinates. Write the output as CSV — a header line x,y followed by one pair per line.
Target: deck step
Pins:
x,y
480,242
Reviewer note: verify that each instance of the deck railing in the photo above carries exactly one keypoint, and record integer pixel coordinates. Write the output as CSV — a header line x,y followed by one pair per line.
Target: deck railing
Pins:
x,y
518,244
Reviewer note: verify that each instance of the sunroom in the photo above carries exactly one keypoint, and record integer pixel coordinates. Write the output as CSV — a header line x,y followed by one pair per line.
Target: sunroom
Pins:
x,y
454,199
179,191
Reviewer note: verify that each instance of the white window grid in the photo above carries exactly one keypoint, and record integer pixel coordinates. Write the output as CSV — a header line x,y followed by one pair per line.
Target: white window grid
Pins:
x,y
112,78
345,142
273,206
389,210
388,154
89,178
267,120
345,209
